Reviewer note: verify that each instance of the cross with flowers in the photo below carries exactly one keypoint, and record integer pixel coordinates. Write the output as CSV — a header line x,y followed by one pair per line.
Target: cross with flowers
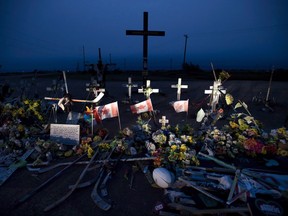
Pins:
x,y
94,87
215,91
147,91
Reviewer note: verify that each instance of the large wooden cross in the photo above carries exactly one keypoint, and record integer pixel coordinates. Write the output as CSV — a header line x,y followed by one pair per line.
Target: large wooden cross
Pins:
x,y
179,86
145,33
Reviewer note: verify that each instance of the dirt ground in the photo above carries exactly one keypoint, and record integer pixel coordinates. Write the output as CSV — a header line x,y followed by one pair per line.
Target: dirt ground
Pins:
x,y
142,198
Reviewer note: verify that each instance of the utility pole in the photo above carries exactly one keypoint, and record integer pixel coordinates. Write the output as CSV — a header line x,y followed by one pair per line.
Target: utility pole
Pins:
x,y
184,60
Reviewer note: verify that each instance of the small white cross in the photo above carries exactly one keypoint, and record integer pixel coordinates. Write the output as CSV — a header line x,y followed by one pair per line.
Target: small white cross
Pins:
x,y
179,87
163,122
215,92
148,90
129,85
94,87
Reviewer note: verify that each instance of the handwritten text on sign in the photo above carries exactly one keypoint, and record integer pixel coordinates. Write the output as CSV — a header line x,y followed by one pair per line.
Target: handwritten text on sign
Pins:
x,y
65,133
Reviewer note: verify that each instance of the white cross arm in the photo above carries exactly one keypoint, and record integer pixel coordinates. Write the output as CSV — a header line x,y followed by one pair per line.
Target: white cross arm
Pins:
x,y
210,91
130,85
155,90
96,90
163,120
177,86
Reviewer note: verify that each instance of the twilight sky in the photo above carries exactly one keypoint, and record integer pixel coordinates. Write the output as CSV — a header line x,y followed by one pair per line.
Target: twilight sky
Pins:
x,y
51,34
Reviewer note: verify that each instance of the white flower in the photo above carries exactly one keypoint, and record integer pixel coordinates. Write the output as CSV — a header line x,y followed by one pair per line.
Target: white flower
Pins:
x,y
150,146
273,133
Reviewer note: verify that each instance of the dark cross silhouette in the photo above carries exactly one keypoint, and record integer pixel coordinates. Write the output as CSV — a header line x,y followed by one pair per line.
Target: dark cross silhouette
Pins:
x,y
145,33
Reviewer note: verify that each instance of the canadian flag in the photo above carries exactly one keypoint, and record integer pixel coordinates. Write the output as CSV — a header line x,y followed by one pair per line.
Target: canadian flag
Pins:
x,y
107,111
180,106
141,107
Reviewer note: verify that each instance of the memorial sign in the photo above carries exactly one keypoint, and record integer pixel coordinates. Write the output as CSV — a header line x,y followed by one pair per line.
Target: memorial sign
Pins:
x,y
65,133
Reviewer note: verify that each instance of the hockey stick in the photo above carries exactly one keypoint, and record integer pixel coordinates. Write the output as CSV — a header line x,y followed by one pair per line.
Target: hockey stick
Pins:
x,y
53,205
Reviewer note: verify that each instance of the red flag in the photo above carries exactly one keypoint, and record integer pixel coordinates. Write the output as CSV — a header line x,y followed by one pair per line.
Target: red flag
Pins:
x,y
180,106
107,111
141,107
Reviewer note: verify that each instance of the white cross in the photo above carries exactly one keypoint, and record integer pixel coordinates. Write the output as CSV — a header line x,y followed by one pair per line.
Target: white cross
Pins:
x,y
179,87
163,122
215,92
148,90
129,85
94,87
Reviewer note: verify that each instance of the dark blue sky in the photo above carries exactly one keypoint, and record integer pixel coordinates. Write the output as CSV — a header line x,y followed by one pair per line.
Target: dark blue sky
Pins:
x,y
50,34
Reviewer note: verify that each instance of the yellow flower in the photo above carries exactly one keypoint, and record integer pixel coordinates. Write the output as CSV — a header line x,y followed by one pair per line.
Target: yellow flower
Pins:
x,y
20,128
195,160
282,152
177,128
242,125
183,148
104,146
173,147
190,139
182,156
35,104
97,139
229,99
282,132
21,111
90,152
233,125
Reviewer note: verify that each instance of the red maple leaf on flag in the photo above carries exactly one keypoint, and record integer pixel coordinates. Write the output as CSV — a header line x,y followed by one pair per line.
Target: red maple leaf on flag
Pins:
x,y
178,106
104,111
142,107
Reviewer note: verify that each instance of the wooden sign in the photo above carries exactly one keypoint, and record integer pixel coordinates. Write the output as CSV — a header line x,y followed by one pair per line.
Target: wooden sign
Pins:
x,y
65,133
